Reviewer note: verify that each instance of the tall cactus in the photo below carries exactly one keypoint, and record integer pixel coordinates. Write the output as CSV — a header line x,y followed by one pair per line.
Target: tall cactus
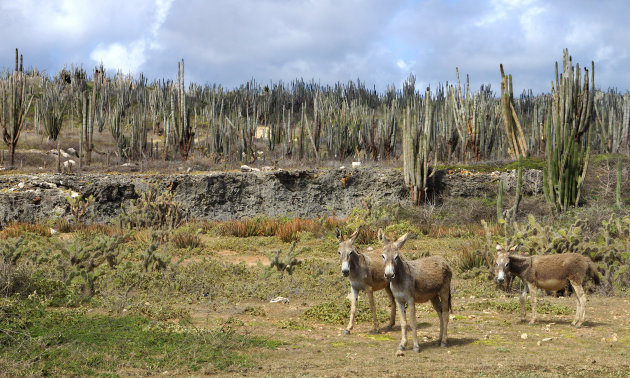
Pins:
x,y
180,116
16,102
416,146
51,108
567,124
513,131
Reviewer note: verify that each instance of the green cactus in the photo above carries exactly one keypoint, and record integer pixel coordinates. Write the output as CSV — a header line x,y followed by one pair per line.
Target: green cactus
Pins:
x,y
567,124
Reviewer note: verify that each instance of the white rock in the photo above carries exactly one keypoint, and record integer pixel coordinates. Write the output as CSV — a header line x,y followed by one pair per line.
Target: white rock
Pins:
x,y
342,167
524,336
279,300
69,164
356,164
246,168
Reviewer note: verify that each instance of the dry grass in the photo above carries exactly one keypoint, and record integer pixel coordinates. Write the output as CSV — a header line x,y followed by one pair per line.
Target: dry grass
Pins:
x,y
15,229
286,230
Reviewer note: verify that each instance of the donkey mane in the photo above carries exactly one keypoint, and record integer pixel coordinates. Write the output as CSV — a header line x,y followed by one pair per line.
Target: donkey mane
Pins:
x,y
519,264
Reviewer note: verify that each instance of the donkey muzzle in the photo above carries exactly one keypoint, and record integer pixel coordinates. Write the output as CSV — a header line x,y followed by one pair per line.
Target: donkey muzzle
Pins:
x,y
390,272
500,277
345,273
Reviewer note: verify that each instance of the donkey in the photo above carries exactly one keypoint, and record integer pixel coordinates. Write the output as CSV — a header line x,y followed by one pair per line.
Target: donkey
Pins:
x,y
548,272
365,272
417,281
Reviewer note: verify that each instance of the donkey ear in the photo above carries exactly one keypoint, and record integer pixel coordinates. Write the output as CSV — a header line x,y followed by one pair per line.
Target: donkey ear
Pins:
x,y
339,234
354,236
401,240
381,235
499,248
513,249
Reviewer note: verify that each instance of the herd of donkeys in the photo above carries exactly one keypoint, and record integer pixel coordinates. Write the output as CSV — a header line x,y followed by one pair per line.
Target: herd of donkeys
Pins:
x,y
429,279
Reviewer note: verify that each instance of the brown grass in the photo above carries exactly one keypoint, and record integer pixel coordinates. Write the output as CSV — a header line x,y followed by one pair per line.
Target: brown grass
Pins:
x,y
286,230
15,229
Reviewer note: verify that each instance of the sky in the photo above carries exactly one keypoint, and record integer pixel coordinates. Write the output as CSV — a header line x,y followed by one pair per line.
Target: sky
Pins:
x,y
380,42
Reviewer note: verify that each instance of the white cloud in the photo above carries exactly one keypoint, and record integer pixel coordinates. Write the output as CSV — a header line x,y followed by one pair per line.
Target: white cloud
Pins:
x,y
230,42
129,57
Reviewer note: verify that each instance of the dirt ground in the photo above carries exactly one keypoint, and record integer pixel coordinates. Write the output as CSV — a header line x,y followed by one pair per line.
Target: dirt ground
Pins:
x,y
480,342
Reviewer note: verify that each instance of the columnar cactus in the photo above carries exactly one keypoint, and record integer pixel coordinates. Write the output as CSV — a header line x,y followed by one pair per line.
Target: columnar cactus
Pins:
x,y
567,124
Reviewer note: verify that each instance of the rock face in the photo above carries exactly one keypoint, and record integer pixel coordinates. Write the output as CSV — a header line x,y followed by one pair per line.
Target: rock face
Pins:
x,y
234,195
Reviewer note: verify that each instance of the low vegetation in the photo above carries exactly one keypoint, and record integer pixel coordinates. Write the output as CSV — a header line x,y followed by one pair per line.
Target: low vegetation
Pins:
x,y
69,298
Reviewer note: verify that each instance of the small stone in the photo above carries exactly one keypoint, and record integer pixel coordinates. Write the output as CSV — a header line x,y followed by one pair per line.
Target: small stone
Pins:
x,y
524,336
448,352
614,338
539,343
356,164
400,353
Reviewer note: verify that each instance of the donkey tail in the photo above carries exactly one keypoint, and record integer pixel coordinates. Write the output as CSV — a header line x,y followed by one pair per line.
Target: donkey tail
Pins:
x,y
450,308
592,268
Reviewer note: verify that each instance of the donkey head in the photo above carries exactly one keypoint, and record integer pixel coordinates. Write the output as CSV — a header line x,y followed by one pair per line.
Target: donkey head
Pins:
x,y
503,262
390,255
347,250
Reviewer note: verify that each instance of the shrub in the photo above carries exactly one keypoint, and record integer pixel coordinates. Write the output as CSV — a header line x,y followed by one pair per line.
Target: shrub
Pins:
x,y
186,239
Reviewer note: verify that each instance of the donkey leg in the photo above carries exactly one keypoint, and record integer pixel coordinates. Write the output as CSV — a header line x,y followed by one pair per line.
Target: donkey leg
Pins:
x,y
403,323
580,312
392,309
414,324
533,291
522,299
370,294
353,309
578,308
445,314
437,305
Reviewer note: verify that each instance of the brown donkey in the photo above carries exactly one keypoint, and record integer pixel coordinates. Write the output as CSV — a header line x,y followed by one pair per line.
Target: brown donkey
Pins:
x,y
365,272
417,281
548,272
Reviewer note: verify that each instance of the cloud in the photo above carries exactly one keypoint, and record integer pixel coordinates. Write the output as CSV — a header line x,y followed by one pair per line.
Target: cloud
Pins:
x,y
229,42
130,57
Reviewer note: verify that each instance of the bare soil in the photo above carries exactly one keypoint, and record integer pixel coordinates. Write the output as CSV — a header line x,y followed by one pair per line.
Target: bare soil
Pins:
x,y
481,342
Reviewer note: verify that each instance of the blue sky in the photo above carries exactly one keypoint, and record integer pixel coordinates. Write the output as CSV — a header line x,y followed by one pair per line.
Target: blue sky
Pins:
x,y
381,42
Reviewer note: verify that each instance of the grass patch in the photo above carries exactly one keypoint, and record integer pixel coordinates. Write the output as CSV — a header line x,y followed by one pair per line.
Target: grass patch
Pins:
x,y
293,324
339,313
40,341
542,307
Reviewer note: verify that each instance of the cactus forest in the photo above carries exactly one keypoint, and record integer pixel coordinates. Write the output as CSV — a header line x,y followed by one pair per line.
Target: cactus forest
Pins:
x,y
306,121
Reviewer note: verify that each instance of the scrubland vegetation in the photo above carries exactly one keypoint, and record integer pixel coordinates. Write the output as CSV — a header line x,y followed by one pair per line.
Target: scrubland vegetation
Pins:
x,y
154,291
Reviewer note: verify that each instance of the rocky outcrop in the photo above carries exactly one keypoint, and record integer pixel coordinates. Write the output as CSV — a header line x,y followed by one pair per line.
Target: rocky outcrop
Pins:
x,y
234,195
